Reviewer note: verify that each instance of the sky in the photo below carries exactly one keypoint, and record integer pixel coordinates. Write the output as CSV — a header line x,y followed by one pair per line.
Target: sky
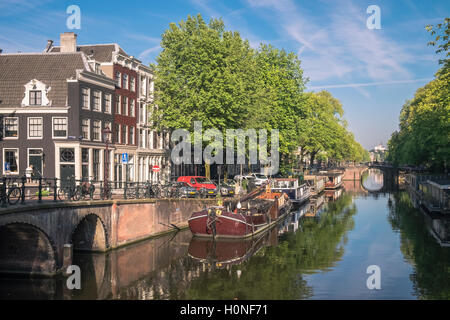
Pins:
x,y
371,71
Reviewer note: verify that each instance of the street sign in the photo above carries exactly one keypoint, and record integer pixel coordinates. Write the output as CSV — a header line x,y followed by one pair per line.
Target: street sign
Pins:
x,y
156,168
125,158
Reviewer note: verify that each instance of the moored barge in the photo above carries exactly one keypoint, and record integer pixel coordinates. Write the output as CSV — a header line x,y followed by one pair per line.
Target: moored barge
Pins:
x,y
241,218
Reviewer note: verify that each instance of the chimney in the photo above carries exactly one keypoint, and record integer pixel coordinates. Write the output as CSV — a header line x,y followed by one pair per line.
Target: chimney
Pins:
x,y
49,46
68,42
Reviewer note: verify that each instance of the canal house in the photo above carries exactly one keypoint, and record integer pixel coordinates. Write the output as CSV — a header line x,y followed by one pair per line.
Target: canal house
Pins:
x,y
53,107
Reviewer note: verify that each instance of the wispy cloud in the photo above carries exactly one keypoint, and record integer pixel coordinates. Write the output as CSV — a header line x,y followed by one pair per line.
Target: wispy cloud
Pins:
x,y
144,54
341,49
368,84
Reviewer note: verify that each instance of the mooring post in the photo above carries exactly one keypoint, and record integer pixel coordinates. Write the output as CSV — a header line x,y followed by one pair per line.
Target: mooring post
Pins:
x,y
40,190
23,190
55,189
3,193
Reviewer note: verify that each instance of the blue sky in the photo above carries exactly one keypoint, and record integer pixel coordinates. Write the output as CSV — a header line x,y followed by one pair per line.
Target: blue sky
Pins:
x,y
372,72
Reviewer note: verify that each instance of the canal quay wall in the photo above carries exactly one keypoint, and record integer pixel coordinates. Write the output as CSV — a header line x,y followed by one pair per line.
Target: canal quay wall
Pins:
x,y
40,239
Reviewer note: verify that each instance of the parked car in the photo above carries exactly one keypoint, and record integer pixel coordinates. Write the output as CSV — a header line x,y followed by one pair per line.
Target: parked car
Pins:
x,y
204,186
186,191
226,189
258,178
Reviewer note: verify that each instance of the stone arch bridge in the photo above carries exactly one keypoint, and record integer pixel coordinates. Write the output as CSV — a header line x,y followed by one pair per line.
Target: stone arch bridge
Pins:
x,y
39,239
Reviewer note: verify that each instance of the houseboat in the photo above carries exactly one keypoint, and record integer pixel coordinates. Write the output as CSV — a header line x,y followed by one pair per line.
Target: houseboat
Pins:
x,y
435,195
298,194
241,218
316,184
334,180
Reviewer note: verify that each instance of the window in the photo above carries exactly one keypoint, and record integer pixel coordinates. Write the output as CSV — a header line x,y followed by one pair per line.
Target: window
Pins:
x,y
85,129
117,78
96,130
85,98
141,112
35,98
132,84
108,136
141,138
132,108
117,131
85,164
35,128
11,160
96,164
131,138
125,81
143,85
11,127
124,135
67,155
97,101
107,98
125,105
118,104
59,127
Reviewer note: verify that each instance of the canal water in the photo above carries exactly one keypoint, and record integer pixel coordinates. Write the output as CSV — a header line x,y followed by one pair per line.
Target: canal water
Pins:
x,y
320,251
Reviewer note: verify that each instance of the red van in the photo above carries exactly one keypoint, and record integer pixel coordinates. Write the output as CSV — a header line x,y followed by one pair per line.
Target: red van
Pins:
x,y
202,184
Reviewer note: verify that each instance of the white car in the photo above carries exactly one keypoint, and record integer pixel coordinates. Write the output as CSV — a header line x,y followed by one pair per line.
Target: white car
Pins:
x,y
258,178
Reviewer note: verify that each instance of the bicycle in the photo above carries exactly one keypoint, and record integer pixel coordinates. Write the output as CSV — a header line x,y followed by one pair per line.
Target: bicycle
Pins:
x,y
14,195
70,191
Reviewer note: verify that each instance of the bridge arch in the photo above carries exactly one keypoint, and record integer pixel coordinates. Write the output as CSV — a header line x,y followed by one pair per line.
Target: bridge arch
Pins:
x,y
27,249
381,182
90,234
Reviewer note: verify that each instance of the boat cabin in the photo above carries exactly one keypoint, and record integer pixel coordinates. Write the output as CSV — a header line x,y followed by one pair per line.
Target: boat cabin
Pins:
x,y
297,193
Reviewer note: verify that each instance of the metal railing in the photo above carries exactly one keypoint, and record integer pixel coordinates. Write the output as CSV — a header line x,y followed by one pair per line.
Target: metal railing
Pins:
x,y
20,190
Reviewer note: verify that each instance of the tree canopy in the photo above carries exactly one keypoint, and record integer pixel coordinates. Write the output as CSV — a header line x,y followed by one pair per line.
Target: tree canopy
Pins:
x,y
424,134
206,73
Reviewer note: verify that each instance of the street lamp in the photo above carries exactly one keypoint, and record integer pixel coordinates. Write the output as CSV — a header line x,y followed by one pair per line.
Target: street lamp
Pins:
x,y
106,190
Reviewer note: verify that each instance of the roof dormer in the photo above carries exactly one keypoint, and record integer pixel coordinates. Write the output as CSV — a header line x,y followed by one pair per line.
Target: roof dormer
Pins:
x,y
36,94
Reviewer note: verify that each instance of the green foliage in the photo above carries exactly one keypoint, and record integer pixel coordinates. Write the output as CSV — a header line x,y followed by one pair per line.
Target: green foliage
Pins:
x,y
205,73
424,134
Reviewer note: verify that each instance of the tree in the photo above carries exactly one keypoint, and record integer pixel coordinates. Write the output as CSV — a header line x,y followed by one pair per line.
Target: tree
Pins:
x,y
424,135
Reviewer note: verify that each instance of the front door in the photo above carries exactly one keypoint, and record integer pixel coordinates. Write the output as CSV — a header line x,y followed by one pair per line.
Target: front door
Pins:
x,y
35,159
66,171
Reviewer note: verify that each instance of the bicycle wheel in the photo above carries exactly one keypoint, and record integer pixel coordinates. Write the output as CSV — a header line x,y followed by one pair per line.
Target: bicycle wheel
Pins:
x,y
76,196
14,195
62,194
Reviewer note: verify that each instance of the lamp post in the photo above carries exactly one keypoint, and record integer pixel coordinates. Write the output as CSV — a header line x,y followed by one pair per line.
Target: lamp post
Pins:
x,y
106,189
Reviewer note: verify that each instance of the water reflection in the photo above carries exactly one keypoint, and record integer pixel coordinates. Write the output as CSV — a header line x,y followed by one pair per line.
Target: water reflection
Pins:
x,y
424,242
372,180
321,250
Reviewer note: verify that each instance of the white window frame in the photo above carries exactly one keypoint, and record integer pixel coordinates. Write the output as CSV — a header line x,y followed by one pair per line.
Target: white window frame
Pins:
x,y
118,79
53,127
133,136
126,78
108,107
17,160
100,132
132,107
99,101
28,128
89,129
4,128
88,107
119,110
42,160
119,132
132,84
126,101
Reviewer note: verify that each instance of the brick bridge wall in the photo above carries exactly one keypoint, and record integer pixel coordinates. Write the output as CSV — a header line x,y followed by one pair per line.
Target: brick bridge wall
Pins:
x,y
33,238
353,173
